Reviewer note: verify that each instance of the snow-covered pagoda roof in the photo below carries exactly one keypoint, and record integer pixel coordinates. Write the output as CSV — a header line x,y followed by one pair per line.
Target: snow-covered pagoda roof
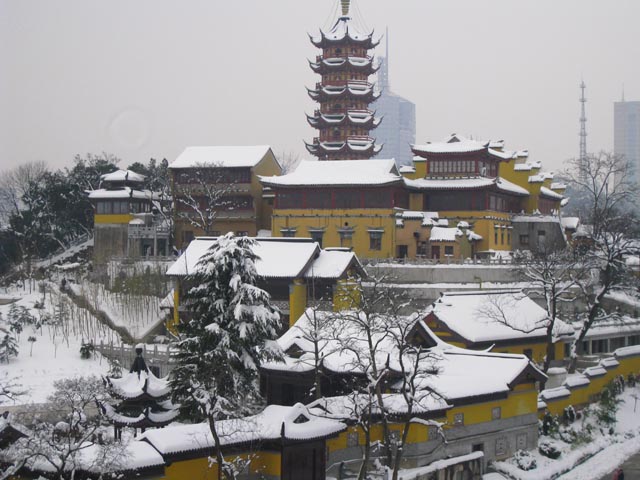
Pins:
x,y
278,258
122,176
472,183
498,315
274,423
220,156
135,385
338,173
344,31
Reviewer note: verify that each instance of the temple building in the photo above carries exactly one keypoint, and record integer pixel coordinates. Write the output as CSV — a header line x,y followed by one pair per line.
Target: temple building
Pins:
x,y
129,220
216,190
296,273
344,120
461,198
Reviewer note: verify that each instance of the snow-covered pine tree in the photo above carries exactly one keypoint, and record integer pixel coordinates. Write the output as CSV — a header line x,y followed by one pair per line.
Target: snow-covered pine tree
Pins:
x,y
230,330
8,346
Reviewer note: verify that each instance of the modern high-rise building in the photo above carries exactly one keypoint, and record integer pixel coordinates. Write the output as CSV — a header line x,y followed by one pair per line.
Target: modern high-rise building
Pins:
x,y
397,132
626,133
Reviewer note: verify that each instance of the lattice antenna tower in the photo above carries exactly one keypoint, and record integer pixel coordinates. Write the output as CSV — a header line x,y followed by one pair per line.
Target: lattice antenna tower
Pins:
x,y
583,133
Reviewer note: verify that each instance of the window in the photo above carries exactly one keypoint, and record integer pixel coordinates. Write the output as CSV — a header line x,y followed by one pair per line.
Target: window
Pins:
x,y
458,419
318,199
101,208
187,236
317,234
496,413
495,236
352,439
346,236
524,239
289,199
375,239
288,232
242,233
501,446
377,199
448,251
347,199
521,441
502,237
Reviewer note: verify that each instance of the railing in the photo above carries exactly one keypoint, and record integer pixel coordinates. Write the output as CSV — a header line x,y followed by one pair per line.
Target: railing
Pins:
x,y
160,358
423,260
143,231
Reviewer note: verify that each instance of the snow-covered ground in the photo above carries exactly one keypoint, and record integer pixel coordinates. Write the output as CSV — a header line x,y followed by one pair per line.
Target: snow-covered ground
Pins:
x,y
56,350
593,459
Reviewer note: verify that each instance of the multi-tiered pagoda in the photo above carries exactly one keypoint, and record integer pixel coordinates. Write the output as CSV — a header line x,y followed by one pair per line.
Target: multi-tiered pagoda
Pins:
x,y
344,119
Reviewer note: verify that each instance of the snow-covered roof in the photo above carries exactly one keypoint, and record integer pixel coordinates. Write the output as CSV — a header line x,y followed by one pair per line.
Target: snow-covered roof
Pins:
x,y
536,219
504,155
466,146
461,373
343,28
465,184
576,380
122,176
570,223
332,264
273,423
547,192
558,186
220,156
489,316
444,234
277,258
553,393
407,169
338,173
125,192
522,167
133,385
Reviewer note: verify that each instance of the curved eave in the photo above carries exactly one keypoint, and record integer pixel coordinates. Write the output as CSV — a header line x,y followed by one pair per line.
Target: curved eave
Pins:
x,y
324,41
320,149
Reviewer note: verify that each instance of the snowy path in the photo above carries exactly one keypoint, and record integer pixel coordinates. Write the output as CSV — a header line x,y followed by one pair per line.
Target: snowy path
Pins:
x,y
602,464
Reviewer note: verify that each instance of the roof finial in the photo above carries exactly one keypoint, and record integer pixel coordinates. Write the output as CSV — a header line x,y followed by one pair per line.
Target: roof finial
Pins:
x,y
345,7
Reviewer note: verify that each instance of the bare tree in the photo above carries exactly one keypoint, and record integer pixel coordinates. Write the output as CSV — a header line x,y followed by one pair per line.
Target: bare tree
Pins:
x,y
10,389
75,444
15,184
201,193
288,161
607,189
552,277
604,185
416,364
376,307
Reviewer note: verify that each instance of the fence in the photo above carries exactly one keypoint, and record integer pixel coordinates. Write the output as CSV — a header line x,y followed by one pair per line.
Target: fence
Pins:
x,y
159,360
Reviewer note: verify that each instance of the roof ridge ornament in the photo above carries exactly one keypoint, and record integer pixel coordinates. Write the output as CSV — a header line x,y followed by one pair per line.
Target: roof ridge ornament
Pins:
x,y
345,7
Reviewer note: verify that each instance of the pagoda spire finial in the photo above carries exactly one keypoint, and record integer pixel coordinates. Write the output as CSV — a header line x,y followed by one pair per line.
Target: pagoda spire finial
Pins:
x,y
345,7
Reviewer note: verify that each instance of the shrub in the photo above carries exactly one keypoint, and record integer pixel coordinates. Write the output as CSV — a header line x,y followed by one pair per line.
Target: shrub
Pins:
x,y
549,449
524,460
86,350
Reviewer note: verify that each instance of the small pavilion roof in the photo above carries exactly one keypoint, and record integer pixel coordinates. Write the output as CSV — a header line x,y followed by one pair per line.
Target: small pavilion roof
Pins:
x,y
122,176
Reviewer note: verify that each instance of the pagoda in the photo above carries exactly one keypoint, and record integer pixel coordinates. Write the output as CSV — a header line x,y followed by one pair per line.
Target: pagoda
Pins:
x,y
144,399
344,93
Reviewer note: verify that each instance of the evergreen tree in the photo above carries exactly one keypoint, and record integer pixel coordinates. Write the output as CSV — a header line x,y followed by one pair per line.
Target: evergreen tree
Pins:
x,y
230,331
8,346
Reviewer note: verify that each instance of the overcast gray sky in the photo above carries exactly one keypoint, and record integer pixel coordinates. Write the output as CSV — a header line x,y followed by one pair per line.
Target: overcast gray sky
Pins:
x,y
149,77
